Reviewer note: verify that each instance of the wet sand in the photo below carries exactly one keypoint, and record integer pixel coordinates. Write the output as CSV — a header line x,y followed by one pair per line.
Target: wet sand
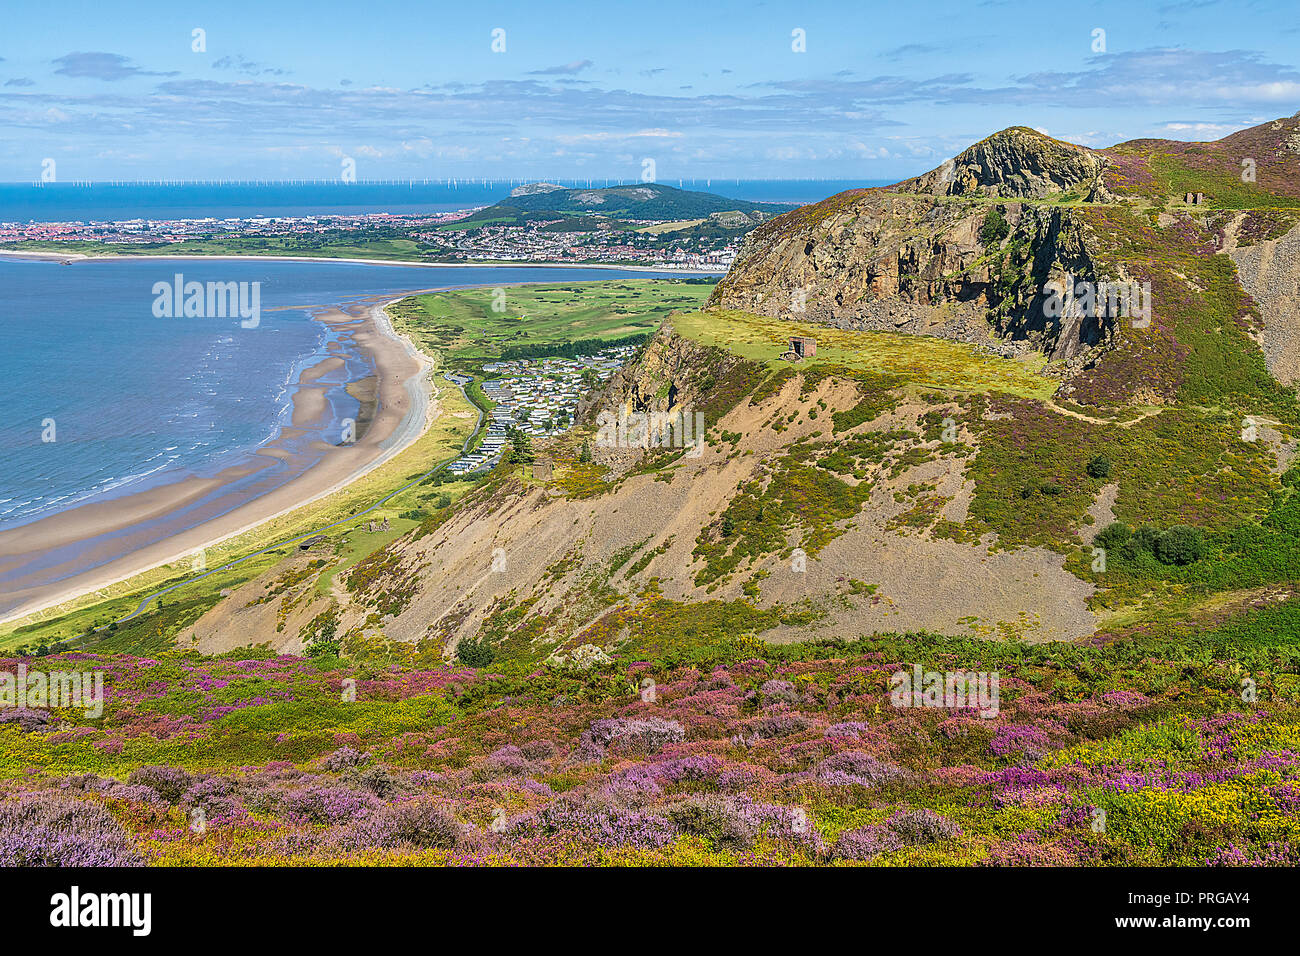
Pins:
x,y
66,555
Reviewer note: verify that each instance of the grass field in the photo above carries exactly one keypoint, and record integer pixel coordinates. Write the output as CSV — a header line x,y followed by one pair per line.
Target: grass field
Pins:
x,y
927,362
463,326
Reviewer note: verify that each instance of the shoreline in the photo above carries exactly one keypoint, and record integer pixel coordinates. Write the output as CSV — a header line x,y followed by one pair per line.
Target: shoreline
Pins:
x,y
404,410
72,258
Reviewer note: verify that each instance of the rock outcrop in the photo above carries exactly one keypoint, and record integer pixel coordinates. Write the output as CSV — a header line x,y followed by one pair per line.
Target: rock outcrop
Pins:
x,y
1017,163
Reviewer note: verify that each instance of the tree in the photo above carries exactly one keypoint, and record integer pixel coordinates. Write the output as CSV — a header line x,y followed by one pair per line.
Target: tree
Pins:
x,y
521,447
995,228
1099,466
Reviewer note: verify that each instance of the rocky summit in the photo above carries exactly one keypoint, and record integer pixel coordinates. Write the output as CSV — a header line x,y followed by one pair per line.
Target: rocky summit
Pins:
x,y
981,249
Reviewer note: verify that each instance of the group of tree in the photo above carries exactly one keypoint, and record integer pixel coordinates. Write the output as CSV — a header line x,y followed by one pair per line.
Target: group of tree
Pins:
x,y
568,349
1180,544
521,447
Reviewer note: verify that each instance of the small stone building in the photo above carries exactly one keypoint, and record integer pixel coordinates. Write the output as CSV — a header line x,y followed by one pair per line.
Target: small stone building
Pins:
x,y
543,469
803,346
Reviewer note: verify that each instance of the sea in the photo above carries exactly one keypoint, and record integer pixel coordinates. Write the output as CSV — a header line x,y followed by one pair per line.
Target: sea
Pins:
x,y
117,202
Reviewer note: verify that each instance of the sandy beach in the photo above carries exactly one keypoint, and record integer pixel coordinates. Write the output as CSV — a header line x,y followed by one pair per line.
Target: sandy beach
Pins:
x,y
129,534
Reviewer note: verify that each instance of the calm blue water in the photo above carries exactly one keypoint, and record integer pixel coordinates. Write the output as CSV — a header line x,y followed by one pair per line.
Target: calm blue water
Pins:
x,y
136,400
107,202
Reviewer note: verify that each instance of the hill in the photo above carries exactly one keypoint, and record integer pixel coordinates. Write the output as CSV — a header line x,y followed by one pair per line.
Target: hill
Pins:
x,y
990,461
639,203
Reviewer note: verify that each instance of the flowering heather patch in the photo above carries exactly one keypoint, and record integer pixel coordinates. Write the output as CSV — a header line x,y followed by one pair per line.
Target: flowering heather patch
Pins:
x,y
642,736
855,766
345,758
45,829
170,783
1097,755
599,825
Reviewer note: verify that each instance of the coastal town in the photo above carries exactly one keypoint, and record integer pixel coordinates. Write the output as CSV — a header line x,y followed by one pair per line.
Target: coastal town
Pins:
x,y
532,242
440,237
538,397
143,231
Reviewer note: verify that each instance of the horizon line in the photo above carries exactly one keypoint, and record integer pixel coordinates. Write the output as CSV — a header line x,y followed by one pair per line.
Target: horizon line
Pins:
x,y
409,181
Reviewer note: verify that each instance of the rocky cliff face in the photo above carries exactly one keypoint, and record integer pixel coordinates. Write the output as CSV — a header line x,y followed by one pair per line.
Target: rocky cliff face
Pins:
x,y
892,261
671,372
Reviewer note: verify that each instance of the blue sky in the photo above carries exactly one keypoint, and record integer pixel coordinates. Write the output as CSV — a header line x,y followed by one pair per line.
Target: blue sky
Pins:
x,y
708,88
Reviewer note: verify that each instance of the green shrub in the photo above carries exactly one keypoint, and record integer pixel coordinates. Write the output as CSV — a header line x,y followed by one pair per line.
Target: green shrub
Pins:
x,y
995,228
1143,541
1099,466
475,653
1181,544
1113,536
